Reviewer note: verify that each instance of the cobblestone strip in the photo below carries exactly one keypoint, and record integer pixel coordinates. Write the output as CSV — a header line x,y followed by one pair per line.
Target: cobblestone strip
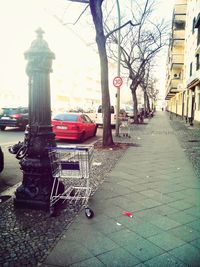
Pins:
x,y
189,138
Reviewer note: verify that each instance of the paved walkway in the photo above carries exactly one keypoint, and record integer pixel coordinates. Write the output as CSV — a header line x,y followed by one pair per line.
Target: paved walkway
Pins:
x,y
156,182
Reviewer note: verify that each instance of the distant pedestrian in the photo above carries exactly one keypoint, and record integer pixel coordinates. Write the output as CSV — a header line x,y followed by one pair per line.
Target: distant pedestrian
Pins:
x,y
162,109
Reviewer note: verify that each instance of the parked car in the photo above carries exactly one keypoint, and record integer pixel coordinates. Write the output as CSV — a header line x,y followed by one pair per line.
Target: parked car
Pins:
x,y
1,160
129,111
99,116
13,117
73,126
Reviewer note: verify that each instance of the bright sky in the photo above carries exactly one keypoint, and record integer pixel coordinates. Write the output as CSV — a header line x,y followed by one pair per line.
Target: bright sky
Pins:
x,y
18,22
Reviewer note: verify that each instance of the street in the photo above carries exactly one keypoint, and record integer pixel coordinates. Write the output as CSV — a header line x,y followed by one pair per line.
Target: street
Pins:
x,y
12,174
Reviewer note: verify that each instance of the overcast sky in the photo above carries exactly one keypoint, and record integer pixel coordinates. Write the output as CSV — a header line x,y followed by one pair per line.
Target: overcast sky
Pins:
x,y
18,22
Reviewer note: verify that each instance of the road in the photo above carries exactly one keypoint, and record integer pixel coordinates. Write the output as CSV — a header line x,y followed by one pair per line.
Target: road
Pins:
x,y
12,174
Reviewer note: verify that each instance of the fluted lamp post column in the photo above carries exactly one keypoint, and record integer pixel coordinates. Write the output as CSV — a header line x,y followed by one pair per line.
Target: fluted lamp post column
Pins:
x,y
34,192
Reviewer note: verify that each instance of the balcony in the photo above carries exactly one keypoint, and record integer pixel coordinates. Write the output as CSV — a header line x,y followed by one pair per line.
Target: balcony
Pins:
x,y
173,87
178,38
181,8
177,59
197,50
176,85
178,35
194,79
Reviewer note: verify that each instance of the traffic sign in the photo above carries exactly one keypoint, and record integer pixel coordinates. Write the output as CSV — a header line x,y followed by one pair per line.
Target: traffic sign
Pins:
x,y
117,81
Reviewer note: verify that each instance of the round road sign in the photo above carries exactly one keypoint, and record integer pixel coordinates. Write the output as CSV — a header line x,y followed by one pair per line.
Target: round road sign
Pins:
x,y
117,81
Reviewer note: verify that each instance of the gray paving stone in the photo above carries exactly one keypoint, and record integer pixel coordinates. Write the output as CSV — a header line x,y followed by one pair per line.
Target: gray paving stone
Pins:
x,y
164,222
165,260
185,233
125,237
182,217
166,241
144,250
118,258
93,262
188,254
64,254
196,243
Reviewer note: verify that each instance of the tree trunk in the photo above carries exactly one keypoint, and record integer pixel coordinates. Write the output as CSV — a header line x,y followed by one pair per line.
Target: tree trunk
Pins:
x,y
135,105
148,104
107,131
145,102
133,87
96,11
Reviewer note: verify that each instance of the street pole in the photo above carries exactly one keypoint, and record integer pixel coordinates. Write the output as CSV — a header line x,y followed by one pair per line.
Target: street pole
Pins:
x,y
118,73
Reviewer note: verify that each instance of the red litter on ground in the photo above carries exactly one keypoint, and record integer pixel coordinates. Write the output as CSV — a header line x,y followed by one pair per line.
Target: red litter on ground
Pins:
x,y
127,213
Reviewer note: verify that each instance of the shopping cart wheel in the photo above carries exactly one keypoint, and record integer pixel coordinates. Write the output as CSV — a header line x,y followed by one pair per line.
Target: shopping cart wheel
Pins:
x,y
52,211
89,213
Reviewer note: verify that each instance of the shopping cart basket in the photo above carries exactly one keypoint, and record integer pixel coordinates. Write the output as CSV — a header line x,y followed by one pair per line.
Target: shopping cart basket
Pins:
x,y
124,128
71,166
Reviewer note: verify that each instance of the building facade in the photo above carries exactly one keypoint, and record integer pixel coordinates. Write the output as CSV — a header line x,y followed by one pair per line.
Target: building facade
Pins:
x,y
183,67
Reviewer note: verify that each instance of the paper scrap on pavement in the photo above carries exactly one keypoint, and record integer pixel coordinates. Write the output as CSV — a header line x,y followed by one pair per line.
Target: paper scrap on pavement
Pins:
x,y
127,213
96,163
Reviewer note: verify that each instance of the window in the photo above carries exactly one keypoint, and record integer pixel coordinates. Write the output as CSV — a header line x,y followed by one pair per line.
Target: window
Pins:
x,y
191,69
198,36
87,119
198,101
197,25
9,111
111,109
179,25
66,117
197,62
193,24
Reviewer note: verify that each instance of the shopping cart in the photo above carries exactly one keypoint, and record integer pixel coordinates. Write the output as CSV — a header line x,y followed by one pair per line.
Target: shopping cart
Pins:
x,y
71,166
124,128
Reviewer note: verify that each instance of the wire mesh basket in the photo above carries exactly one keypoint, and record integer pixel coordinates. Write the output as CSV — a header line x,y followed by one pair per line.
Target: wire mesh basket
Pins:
x,y
71,166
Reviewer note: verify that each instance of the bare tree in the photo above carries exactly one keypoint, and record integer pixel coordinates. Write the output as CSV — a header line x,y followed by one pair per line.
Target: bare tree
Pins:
x,y
97,15
145,84
139,47
152,92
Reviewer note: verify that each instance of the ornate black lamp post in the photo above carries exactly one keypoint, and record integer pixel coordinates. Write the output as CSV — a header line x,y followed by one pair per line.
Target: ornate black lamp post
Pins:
x,y
34,192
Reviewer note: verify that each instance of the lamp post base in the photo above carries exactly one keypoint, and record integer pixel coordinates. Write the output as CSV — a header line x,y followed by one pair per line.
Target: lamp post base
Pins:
x,y
36,187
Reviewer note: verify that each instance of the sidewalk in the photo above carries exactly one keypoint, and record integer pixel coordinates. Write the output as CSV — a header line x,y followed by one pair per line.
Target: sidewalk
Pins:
x,y
156,182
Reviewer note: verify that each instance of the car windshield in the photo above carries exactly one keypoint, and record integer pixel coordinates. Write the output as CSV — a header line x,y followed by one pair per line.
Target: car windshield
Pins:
x,y
129,109
66,117
8,111
111,109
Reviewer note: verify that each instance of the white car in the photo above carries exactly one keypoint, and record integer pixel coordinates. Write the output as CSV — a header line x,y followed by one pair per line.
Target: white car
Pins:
x,y
129,111
99,116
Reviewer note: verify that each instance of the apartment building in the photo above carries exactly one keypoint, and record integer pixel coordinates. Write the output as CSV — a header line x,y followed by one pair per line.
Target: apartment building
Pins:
x,y
175,76
183,68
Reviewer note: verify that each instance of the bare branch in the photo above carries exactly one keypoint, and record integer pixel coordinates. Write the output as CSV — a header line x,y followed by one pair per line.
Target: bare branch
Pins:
x,y
80,1
122,26
81,14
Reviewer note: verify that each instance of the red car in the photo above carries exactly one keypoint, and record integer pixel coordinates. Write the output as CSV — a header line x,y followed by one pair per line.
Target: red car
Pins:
x,y
73,126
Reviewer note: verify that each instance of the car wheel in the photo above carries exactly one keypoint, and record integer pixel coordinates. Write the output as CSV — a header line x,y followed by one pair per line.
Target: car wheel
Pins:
x,y
1,161
2,128
23,127
95,131
82,137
